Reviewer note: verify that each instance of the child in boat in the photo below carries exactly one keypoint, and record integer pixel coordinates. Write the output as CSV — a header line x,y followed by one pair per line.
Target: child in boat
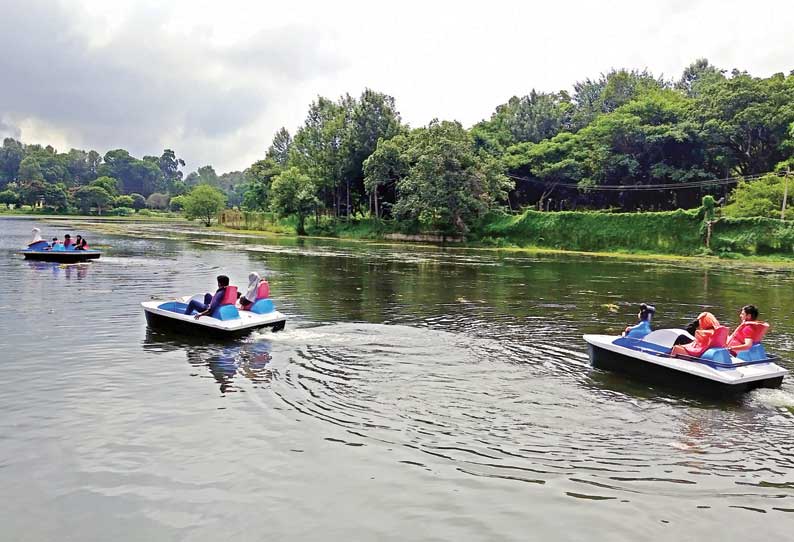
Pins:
x,y
54,243
644,316
707,326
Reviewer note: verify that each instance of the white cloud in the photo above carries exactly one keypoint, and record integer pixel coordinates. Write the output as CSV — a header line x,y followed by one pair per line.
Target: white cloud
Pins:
x,y
215,80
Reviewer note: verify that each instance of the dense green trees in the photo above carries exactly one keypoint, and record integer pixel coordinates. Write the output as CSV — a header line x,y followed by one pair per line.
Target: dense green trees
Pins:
x,y
293,192
625,140
203,202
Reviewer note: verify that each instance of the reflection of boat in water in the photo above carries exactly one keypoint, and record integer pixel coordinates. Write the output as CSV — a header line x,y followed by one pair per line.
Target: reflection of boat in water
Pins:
x,y
40,251
717,369
225,322
251,360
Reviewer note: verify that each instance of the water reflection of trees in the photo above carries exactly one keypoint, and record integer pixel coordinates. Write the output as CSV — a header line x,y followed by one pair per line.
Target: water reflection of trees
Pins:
x,y
223,361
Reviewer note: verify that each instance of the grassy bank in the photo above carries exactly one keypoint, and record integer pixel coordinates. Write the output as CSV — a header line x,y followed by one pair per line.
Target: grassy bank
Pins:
x,y
672,233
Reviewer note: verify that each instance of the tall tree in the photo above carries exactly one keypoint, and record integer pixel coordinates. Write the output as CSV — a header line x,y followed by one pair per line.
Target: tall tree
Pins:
x,y
278,151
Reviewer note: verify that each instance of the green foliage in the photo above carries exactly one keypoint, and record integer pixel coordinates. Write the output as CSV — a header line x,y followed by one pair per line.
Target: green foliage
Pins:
x,y
292,192
138,201
762,197
92,196
123,201
157,201
203,202
9,198
109,184
135,176
258,179
177,203
447,184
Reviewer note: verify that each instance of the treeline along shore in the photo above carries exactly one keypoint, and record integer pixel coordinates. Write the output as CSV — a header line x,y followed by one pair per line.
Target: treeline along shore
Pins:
x,y
626,161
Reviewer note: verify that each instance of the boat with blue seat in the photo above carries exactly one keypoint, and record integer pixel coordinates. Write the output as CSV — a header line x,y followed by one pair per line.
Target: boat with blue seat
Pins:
x,y
228,320
41,251
646,353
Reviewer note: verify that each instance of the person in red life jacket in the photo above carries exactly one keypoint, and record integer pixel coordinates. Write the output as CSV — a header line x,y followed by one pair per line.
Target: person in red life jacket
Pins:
x,y
80,243
67,241
748,332
707,328
211,302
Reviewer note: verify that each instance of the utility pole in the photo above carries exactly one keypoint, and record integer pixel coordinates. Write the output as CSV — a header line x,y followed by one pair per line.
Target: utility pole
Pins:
x,y
785,194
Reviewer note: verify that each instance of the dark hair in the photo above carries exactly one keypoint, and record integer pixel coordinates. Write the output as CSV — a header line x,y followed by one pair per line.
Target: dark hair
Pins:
x,y
54,238
751,311
646,311
223,280
67,235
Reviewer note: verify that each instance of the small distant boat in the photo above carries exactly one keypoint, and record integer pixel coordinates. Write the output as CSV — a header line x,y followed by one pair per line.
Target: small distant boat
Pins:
x,y
227,321
41,251
648,357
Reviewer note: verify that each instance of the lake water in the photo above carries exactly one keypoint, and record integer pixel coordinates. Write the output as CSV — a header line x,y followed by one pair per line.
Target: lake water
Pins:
x,y
417,393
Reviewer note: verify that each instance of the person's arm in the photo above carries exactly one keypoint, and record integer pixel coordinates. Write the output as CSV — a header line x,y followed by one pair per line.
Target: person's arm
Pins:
x,y
216,299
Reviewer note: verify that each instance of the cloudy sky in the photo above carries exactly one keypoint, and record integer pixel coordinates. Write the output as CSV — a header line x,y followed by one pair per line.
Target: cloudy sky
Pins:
x,y
214,80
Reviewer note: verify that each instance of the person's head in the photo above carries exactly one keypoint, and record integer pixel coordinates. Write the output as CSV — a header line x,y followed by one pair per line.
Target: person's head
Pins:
x,y
646,312
67,236
54,239
223,281
79,237
749,312
706,320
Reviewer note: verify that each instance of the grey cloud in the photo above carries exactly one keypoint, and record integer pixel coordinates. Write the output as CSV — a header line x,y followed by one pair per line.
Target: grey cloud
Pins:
x,y
144,82
9,130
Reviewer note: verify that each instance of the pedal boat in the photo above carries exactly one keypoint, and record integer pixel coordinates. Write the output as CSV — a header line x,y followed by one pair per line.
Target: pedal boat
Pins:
x,y
648,357
227,321
41,251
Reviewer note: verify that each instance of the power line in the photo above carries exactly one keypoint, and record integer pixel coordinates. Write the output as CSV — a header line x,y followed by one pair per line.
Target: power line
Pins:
x,y
646,187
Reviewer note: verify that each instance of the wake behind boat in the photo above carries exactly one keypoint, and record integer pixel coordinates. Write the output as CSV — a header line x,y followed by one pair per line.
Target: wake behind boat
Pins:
x,y
226,321
717,369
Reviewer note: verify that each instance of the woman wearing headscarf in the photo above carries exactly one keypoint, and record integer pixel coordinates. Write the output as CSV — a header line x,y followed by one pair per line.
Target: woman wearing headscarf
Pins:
x,y
709,334
250,294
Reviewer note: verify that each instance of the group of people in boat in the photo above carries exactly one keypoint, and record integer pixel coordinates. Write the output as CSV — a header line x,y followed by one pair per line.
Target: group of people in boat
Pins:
x,y
709,333
213,301
67,244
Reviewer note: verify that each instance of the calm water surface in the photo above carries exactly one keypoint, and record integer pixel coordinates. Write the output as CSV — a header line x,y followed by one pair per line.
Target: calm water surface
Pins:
x,y
416,394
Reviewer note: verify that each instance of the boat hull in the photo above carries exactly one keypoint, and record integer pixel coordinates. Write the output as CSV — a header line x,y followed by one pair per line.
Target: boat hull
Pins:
x,y
210,327
608,360
61,256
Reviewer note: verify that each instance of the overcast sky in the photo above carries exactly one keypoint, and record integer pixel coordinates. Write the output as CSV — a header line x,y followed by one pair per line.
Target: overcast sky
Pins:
x,y
214,80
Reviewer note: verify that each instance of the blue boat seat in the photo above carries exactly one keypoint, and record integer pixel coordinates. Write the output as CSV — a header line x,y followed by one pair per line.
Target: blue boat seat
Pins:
x,y
263,306
756,353
640,330
225,312
719,355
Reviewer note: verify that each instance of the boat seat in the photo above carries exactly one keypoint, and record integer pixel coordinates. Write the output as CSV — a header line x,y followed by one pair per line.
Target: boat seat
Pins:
x,y
226,310
640,330
263,306
719,355
720,337
756,353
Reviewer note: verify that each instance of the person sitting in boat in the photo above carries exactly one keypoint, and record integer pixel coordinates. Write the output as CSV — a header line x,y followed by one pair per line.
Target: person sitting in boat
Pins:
x,y
709,334
80,243
644,326
748,332
67,241
56,244
211,302
247,300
